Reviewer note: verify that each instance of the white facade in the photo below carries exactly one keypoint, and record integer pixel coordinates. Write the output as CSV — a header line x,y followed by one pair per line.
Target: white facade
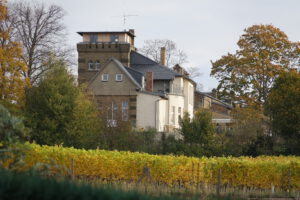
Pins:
x,y
148,112
188,93
164,113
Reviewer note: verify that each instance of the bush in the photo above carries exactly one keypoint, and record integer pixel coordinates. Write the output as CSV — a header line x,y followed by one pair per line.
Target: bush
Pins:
x,y
19,186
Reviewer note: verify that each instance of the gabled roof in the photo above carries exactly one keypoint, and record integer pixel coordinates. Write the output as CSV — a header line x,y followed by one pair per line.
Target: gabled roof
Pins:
x,y
143,64
135,74
118,64
139,59
220,102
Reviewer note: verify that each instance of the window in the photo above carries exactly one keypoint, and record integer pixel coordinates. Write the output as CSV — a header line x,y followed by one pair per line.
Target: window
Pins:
x,y
173,114
97,65
114,108
124,110
93,38
119,77
179,114
112,115
114,38
105,77
91,65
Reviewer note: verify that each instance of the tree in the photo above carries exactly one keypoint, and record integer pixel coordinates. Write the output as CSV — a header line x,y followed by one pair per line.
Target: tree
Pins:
x,y
174,55
198,132
12,128
283,107
40,30
58,112
12,83
248,134
264,52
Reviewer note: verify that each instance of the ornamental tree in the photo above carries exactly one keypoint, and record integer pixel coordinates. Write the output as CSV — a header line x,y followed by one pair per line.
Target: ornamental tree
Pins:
x,y
248,74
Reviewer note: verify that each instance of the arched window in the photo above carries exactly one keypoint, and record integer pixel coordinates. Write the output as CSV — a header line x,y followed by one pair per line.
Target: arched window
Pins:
x,y
97,65
91,65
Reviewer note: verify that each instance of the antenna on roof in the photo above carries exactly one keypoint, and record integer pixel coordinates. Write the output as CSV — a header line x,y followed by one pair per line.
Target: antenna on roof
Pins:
x,y
124,16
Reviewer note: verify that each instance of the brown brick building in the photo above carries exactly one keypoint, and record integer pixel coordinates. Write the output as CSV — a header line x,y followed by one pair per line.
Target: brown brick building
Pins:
x,y
129,86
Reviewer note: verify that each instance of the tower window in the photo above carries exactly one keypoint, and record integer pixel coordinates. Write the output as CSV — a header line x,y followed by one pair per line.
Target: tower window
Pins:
x,y
114,38
119,77
93,38
91,65
97,65
105,77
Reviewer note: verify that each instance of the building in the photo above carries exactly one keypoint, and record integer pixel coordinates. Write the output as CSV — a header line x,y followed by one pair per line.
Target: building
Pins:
x,y
221,111
131,87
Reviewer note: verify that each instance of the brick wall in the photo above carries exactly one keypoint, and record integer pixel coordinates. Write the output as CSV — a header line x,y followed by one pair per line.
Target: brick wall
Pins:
x,y
104,104
101,52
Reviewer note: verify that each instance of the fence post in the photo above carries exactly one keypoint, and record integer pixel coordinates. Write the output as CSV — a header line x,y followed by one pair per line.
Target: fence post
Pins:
x,y
72,169
204,175
219,182
198,177
289,181
192,182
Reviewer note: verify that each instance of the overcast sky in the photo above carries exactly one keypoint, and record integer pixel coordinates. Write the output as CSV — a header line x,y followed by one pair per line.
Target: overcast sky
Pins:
x,y
204,29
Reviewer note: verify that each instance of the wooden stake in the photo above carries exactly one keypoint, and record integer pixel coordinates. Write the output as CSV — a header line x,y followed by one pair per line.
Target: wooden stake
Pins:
x,y
72,169
219,182
198,177
192,182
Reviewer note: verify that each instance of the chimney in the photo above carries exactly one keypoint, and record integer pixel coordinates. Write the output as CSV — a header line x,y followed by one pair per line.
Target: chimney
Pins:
x,y
131,31
163,56
149,81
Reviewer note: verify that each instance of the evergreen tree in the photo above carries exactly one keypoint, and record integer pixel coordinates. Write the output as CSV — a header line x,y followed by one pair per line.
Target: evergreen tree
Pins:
x,y
283,107
59,112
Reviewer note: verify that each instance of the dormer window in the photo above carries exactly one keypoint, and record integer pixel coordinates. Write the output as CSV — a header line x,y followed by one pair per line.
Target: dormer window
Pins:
x,y
119,77
97,65
105,77
93,38
91,65
114,38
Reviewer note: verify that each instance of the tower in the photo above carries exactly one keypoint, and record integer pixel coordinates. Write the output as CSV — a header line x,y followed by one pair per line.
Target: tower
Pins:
x,y
97,47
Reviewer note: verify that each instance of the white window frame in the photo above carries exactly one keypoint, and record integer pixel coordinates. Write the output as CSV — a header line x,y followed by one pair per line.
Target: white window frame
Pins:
x,y
112,115
103,77
97,65
119,75
91,65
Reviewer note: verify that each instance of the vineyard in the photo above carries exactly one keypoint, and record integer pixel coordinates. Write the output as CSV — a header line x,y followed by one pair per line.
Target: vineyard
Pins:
x,y
262,172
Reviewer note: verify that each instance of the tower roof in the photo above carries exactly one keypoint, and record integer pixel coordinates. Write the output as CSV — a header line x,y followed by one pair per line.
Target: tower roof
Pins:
x,y
106,32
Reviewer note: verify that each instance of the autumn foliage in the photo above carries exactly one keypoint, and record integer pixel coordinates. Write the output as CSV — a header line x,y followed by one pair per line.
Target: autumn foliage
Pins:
x,y
264,52
12,82
261,172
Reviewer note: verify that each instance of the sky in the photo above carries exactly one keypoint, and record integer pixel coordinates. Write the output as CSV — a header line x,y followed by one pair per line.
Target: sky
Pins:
x,y
204,29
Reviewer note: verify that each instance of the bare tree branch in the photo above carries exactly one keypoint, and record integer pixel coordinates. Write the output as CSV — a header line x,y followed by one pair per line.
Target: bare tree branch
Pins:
x,y
40,30
174,55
